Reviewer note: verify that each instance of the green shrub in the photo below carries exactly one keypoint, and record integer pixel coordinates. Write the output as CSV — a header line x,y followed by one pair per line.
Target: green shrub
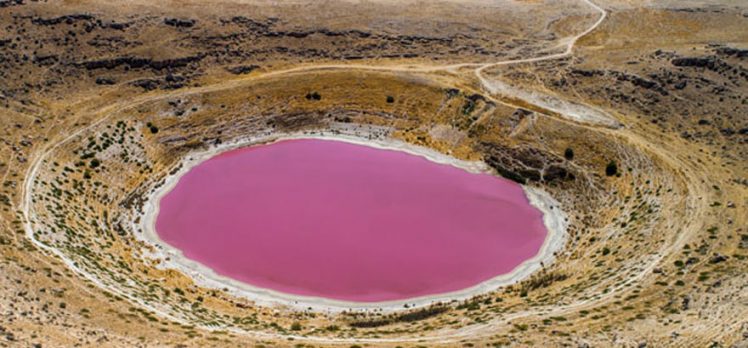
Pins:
x,y
313,96
569,154
611,169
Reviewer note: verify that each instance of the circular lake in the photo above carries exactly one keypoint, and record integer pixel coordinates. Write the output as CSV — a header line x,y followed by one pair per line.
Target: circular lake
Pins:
x,y
348,222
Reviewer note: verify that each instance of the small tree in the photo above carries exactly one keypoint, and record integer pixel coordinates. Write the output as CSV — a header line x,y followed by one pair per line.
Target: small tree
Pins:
x,y
569,154
611,169
390,99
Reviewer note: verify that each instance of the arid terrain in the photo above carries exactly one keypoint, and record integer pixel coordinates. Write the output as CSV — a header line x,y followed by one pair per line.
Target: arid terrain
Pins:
x,y
632,115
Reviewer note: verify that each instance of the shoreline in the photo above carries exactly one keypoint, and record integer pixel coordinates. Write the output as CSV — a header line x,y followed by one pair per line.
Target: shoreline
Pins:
x,y
169,257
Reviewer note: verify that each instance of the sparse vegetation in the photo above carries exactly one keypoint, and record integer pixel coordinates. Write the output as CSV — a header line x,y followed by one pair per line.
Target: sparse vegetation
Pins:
x,y
313,96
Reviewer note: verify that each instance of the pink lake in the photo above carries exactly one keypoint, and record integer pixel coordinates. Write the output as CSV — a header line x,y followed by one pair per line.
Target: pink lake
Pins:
x,y
348,222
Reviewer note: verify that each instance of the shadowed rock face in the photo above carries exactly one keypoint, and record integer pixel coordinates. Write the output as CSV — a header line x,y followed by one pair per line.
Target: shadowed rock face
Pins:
x,y
137,63
242,69
708,62
9,3
525,165
180,23
731,51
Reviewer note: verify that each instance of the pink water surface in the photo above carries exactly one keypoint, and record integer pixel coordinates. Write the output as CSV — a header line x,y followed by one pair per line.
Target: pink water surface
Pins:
x,y
348,222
